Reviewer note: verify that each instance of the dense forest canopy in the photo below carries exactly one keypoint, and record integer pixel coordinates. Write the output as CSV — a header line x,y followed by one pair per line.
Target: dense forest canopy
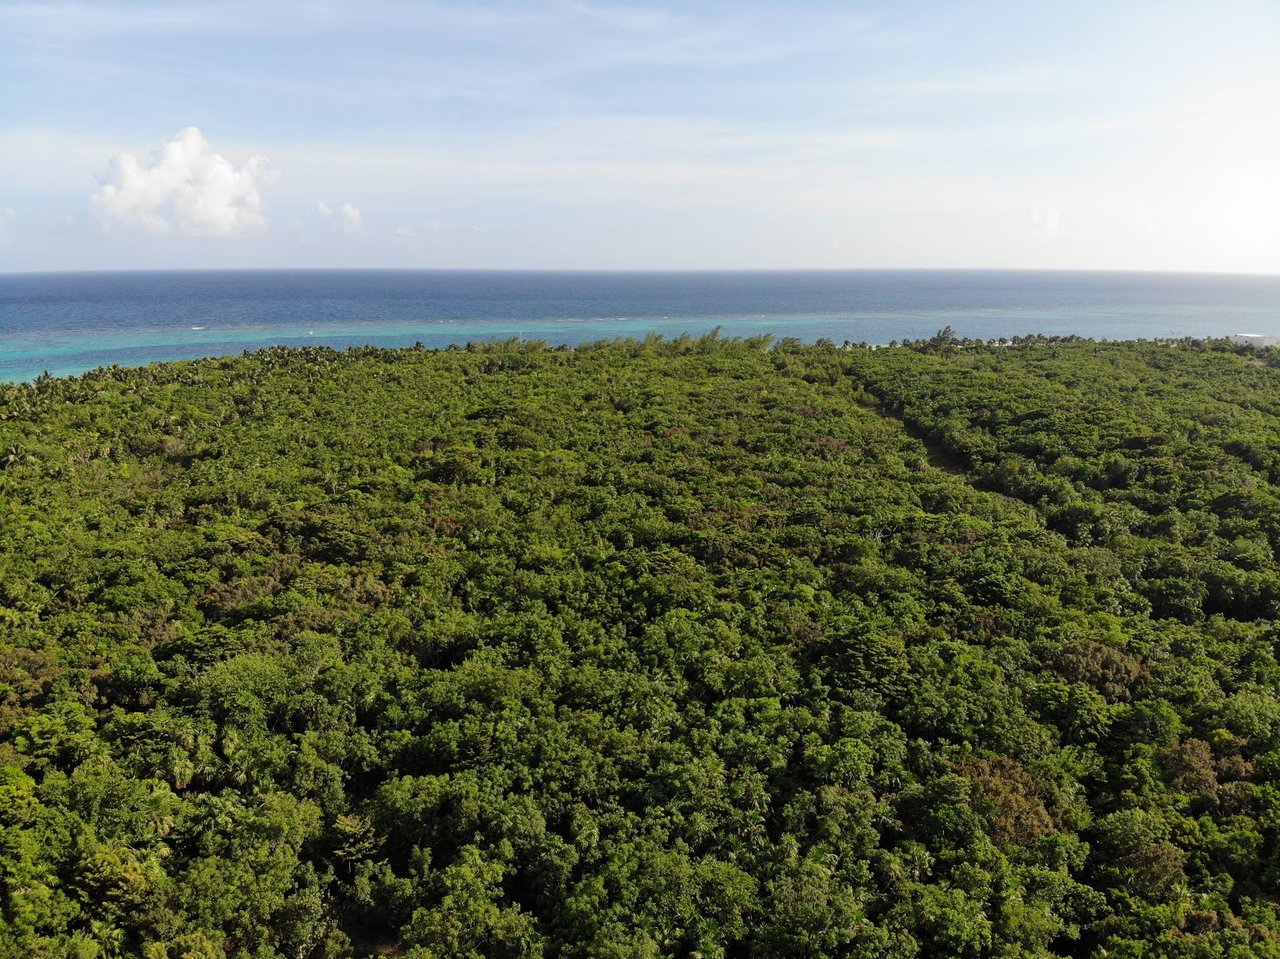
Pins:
x,y
694,648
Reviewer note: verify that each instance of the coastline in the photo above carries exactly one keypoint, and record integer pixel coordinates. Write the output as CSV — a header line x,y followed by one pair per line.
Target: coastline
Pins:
x,y
71,323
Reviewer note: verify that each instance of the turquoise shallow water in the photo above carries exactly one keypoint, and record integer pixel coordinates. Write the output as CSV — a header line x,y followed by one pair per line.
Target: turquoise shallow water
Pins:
x,y
69,323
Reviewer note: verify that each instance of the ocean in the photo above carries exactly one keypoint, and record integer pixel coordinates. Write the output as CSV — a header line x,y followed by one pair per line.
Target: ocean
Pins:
x,y
67,323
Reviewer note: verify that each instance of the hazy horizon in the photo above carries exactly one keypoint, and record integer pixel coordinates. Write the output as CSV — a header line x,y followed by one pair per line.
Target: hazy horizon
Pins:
x,y
638,270
601,136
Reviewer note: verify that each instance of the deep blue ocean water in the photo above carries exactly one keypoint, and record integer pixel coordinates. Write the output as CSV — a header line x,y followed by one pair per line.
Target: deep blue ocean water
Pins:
x,y
67,323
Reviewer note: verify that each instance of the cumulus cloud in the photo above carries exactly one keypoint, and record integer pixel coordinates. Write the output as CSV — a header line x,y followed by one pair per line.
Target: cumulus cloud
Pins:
x,y
186,186
346,218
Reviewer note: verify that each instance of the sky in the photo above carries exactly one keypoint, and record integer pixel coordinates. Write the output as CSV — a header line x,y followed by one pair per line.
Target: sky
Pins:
x,y
574,134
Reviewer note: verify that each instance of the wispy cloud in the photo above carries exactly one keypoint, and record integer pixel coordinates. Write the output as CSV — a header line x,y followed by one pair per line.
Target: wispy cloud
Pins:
x,y
535,54
1046,224
186,185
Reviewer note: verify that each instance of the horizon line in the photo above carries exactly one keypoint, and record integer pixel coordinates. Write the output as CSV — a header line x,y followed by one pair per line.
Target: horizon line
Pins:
x,y
642,270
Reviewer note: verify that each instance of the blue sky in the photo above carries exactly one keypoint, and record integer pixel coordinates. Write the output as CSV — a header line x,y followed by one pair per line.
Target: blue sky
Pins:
x,y
640,135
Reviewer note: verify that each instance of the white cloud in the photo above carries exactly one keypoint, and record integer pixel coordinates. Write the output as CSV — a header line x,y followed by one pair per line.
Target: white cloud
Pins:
x,y
1045,221
187,185
346,218
349,219
1046,224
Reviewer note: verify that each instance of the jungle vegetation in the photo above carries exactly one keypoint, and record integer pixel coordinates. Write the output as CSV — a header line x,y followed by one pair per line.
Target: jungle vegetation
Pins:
x,y
698,648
